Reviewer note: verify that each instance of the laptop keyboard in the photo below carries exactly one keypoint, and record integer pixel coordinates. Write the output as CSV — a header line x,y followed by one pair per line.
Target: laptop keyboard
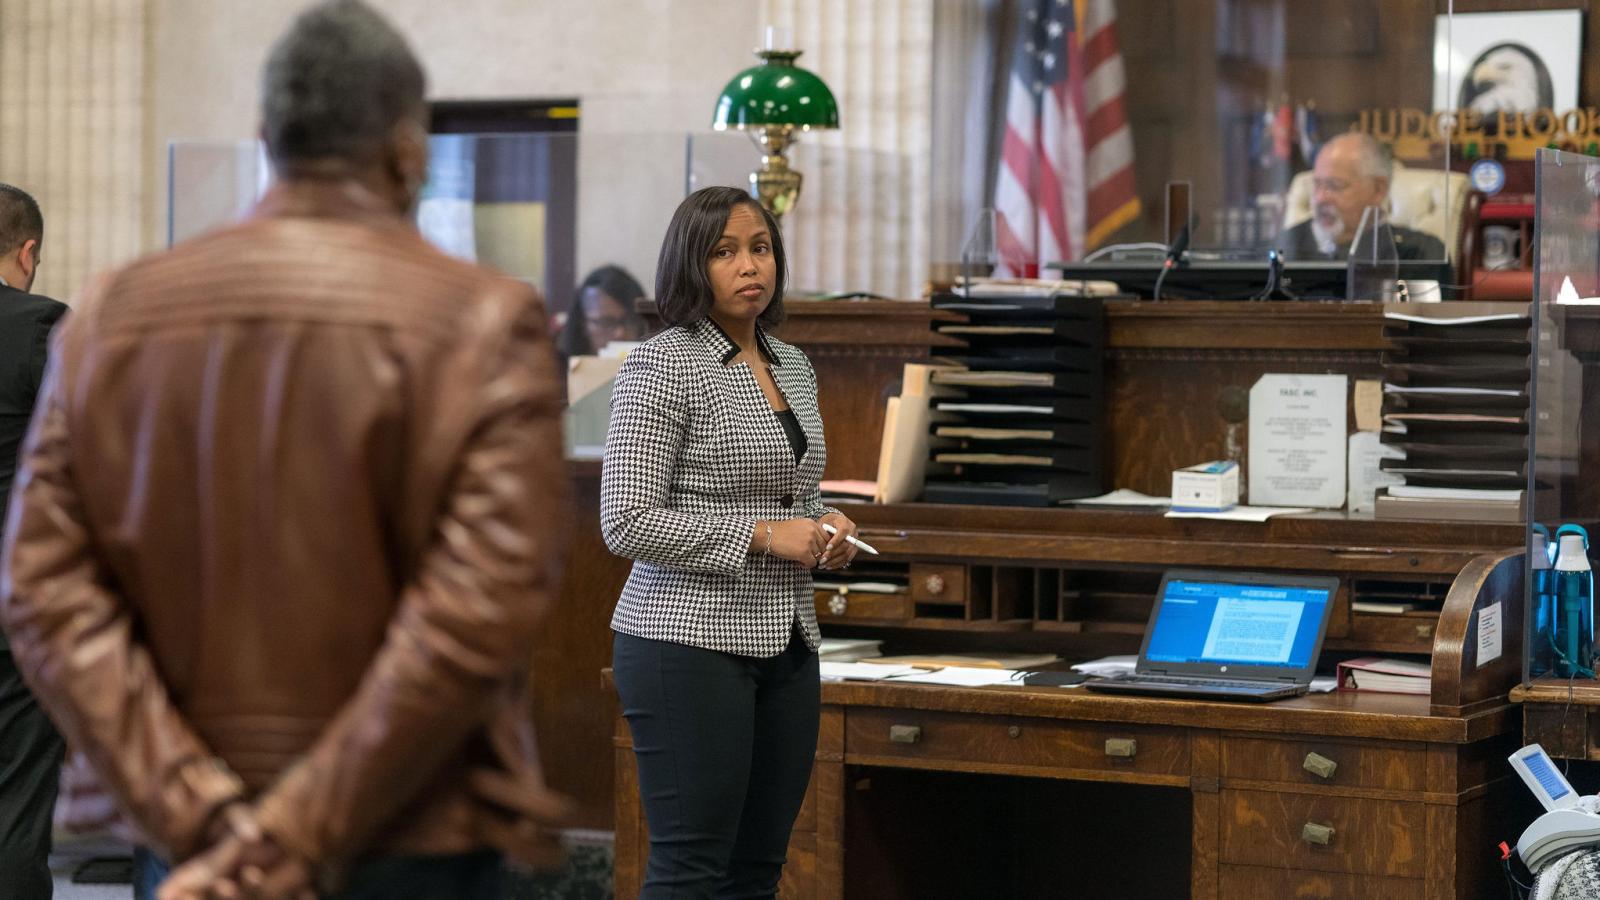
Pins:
x,y
1224,683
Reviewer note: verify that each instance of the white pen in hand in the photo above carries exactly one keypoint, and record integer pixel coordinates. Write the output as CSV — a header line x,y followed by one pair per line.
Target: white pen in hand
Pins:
x,y
851,538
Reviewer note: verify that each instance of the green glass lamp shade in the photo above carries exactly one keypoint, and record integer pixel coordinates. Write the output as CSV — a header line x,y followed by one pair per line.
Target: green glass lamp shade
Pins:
x,y
777,92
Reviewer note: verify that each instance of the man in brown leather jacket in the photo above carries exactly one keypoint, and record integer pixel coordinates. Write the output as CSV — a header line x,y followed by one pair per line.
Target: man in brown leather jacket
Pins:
x,y
289,511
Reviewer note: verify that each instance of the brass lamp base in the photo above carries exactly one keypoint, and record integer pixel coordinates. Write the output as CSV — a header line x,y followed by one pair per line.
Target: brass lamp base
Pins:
x,y
775,185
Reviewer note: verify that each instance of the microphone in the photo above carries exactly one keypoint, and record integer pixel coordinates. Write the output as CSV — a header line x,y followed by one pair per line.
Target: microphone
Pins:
x,y
1179,245
1174,257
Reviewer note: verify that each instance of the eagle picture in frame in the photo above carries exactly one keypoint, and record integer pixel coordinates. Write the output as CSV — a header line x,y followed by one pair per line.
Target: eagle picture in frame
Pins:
x,y
1507,62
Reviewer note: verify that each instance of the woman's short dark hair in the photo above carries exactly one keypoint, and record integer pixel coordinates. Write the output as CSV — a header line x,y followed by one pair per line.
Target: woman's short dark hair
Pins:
x,y
613,281
683,289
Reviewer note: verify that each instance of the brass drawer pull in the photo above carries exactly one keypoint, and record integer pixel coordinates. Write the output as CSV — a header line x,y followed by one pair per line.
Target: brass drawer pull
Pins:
x,y
1320,766
1425,631
839,604
1122,748
1312,833
905,734
1014,731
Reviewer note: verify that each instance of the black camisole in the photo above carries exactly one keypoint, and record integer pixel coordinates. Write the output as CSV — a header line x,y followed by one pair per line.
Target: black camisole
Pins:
x,y
796,434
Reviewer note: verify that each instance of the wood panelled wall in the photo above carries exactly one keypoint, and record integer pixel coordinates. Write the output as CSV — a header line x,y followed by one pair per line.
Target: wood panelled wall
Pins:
x,y
72,127
1192,93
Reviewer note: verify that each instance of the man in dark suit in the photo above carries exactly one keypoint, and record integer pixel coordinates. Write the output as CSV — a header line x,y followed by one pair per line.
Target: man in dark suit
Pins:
x,y
1352,172
30,749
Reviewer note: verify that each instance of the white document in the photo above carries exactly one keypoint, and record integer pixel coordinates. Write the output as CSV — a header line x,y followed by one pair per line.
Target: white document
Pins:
x,y
860,671
1108,665
963,676
1568,295
1126,497
1452,391
1000,408
1422,492
1241,513
1365,477
1454,320
1490,639
1259,631
1297,440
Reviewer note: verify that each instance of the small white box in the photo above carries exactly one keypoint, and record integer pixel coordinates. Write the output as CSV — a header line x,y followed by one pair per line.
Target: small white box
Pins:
x,y
1207,487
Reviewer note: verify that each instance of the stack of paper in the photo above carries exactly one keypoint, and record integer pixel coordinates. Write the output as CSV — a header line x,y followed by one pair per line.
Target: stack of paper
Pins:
x,y
972,660
849,649
861,671
1456,405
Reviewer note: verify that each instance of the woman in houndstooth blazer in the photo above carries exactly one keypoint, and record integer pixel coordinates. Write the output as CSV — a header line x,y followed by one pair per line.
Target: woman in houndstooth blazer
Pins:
x,y
710,485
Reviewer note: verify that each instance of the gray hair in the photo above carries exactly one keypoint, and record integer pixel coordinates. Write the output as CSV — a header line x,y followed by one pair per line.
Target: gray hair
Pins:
x,y
1375,159
336,84
20,219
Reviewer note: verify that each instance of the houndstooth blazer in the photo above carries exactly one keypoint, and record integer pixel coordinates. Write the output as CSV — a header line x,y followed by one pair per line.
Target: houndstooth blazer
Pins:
x,y
694,456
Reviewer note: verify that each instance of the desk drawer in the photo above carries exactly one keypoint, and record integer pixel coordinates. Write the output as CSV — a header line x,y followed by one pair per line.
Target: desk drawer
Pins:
x,y
998,743
1253,881
861,605
1281,831
1353,765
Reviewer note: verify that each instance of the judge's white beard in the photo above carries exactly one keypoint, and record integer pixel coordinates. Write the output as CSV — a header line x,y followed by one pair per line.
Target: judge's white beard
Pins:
x,y
1328,240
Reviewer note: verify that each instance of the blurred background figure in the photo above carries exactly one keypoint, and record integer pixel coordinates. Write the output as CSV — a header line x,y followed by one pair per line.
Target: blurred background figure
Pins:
x,y
603,311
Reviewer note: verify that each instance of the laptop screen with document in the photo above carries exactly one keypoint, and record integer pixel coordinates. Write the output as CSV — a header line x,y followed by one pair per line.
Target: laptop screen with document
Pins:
x,y
1238,623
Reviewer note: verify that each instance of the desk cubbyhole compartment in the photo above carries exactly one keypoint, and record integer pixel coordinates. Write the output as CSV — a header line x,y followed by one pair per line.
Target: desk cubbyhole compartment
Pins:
x,y
1047,597
1393,615
1103,601
1013,598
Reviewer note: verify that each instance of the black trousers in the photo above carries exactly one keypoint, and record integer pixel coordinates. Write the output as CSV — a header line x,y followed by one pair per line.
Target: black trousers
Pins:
x,y
725,746
30,772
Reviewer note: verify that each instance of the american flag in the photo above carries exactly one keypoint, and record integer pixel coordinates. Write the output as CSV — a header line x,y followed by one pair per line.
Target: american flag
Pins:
x,y
1065,179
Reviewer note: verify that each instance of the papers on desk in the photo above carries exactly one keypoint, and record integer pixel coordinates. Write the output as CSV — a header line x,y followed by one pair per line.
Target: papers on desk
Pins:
x,y
1568,295
956,676
1423,492
853,490
985,378
963,676
1240,513
847,650
1107,666
1125,497
862,671
1452,391
996,408
1454,320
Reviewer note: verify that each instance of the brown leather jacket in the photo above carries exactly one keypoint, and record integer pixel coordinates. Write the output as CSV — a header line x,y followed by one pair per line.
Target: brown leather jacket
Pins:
x,y
291,506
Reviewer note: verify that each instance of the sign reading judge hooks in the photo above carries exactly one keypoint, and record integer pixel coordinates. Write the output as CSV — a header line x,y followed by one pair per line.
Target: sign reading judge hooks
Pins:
x,y
1415,134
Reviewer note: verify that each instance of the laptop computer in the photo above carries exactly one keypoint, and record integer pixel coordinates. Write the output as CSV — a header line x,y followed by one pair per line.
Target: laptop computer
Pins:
x,y
1230,636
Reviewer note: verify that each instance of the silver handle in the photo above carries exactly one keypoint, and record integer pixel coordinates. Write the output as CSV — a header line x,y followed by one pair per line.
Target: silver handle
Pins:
x,y
1122,748
1312,833
1320,766
905,734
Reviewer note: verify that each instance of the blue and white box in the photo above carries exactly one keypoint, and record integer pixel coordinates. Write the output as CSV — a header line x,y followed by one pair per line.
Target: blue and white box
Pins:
x,y
1207,487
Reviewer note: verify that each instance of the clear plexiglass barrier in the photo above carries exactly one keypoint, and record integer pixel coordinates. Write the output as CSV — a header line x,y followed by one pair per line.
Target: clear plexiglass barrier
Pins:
x,y
1564,460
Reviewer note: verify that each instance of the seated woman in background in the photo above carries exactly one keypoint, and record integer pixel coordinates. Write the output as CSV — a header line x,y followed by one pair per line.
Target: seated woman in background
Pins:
x,y
602,312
